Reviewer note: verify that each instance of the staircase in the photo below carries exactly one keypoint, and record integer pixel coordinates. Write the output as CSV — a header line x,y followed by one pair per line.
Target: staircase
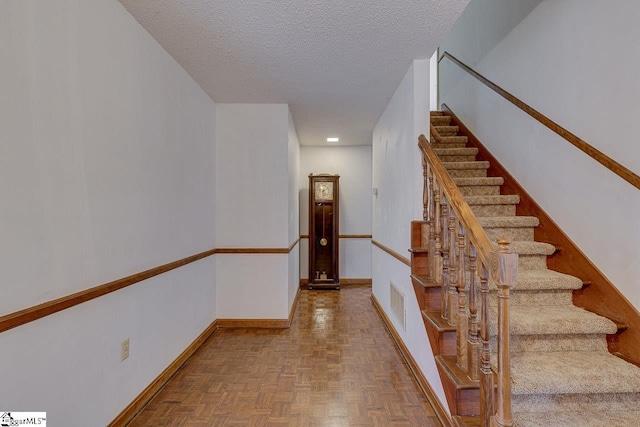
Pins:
x,y
562,373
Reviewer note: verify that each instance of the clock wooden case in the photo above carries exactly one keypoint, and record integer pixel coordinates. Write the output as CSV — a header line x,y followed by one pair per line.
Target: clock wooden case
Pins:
x,y
323,231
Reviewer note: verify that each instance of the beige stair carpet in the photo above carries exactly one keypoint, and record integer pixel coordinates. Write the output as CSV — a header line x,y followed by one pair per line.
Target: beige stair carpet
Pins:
x,y
561,371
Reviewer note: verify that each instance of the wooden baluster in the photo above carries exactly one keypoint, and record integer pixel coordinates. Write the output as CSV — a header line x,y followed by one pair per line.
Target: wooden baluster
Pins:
x,y
463,318
474,343
486,376
437,254
453,277
504,271
432,226
445,260
425,191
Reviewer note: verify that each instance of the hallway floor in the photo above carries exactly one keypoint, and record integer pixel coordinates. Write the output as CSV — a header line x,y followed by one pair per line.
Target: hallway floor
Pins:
x,y
336,366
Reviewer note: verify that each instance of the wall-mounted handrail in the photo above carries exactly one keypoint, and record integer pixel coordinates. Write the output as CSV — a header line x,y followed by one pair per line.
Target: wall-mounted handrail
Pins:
x,y
615,167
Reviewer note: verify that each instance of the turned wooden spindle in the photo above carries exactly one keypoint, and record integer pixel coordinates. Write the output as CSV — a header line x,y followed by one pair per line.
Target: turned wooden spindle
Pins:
x,y
504,272
463,318
453,265
432,225
445,261
425,190
437,251
486,376
474,345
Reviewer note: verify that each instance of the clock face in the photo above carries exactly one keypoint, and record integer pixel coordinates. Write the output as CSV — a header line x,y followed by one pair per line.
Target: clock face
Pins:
x,y
323,190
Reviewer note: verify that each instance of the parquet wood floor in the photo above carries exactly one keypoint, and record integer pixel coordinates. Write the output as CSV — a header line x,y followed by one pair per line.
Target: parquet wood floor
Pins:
x,y
336,366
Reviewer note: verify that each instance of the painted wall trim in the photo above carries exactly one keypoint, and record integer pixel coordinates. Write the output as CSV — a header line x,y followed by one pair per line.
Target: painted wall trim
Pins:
x,y
393,253
343,281
258,250
597,155
261,323
345,236
253,251
440,411
39,311
30,314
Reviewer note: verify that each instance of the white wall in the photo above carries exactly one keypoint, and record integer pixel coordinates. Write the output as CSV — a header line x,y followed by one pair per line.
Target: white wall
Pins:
x,y
572,61
294,212
255,147
107,160
353,164
252,195
397,173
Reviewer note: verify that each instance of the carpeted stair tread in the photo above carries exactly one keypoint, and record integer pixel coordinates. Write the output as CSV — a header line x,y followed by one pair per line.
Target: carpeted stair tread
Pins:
x,y
508,221
466,165
578,419
452,139
546,280
467,151
528,247
561,371
479,181
502,199
440,120
572,372
447,129
554,320
436,113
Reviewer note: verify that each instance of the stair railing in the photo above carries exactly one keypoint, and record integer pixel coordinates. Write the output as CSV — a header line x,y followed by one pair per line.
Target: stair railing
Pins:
x,y
458,250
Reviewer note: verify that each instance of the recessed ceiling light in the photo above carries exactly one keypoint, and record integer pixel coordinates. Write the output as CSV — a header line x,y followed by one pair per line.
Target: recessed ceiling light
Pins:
x,y
333,139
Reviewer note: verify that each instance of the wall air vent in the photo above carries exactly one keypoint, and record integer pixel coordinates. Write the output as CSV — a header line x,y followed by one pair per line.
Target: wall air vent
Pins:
x,y
397,306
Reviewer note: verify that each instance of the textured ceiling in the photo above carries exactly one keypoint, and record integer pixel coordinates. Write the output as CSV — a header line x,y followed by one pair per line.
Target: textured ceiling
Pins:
x,y
335,62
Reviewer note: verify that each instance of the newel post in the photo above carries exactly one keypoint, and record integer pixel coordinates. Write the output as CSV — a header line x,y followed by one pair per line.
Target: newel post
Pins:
x,y
504,272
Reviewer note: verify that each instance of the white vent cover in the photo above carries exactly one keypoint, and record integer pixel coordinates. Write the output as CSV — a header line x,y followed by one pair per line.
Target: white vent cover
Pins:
x,y
397,306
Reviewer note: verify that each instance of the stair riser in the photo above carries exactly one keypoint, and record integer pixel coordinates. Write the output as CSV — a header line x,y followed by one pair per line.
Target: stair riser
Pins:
x,y
467,173
551,343
448,133
543,297
528,296
424,237
480,190
447,130
455,138
532,262
448,145
448,344
433,299
457,158
441,120
511,233
436,113
603,402
493,210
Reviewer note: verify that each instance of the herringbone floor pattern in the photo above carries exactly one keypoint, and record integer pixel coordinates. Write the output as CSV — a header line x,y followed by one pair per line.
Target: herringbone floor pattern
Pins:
x,y
336,366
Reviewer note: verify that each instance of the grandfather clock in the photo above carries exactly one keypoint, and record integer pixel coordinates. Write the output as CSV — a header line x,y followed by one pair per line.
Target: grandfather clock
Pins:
x,y
323,232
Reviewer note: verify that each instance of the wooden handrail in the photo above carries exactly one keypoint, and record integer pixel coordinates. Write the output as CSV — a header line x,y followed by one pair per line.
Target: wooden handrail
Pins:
x,y
615,167
474,230
435,133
